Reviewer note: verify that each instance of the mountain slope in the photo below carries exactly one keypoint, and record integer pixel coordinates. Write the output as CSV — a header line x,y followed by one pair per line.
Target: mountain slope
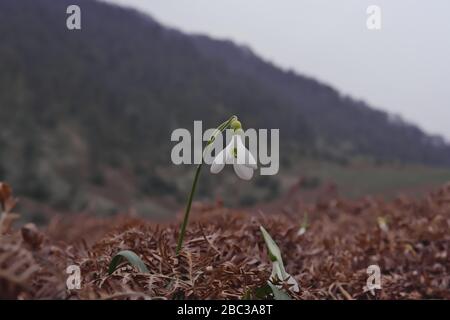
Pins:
x,y
338,120
79,106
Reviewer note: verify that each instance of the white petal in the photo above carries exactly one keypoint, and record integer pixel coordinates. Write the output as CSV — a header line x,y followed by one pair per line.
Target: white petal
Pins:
x,y
218,162
243,172
223,157
229,155
216,167
244,156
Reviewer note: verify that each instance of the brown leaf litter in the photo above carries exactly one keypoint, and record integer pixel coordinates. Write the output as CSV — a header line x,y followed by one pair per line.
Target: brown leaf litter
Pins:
x,y
224,255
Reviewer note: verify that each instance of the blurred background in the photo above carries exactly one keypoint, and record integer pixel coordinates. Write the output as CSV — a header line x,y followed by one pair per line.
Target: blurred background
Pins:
x,y
86,115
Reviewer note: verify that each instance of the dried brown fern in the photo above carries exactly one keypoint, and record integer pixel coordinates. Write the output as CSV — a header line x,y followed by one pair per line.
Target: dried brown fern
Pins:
x,y
224,256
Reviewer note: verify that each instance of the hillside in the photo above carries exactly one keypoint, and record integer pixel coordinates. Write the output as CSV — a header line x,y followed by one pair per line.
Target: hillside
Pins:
x,y
87,116
341,126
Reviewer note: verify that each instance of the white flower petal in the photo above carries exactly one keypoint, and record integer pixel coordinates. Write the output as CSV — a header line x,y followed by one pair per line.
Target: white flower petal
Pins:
x,y
243,172
217,167
223,157
235,153
218,162
244,156
229,154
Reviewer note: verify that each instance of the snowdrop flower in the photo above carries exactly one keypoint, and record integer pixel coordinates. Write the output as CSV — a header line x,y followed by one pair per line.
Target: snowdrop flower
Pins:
x,y
236,154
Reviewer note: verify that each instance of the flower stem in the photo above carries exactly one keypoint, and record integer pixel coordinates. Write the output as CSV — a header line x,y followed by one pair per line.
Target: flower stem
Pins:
x,y
220,129
188,209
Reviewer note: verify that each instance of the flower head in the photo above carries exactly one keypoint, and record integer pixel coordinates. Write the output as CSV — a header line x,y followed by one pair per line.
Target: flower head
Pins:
x,y
236,154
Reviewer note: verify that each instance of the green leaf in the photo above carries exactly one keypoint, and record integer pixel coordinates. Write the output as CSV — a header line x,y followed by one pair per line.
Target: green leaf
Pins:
x,y
277,293
274,250
268,291
278,270
132,258
262,292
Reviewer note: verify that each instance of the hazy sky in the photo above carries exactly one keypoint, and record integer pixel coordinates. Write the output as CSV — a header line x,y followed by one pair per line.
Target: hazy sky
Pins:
x,y
403,68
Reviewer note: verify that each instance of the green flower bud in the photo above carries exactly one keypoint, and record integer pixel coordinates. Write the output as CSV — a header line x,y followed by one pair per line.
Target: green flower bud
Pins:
x,y
236,125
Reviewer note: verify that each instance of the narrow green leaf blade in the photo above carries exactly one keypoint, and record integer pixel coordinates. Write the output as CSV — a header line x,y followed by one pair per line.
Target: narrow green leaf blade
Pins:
x,y
274,250
131,257
263,292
